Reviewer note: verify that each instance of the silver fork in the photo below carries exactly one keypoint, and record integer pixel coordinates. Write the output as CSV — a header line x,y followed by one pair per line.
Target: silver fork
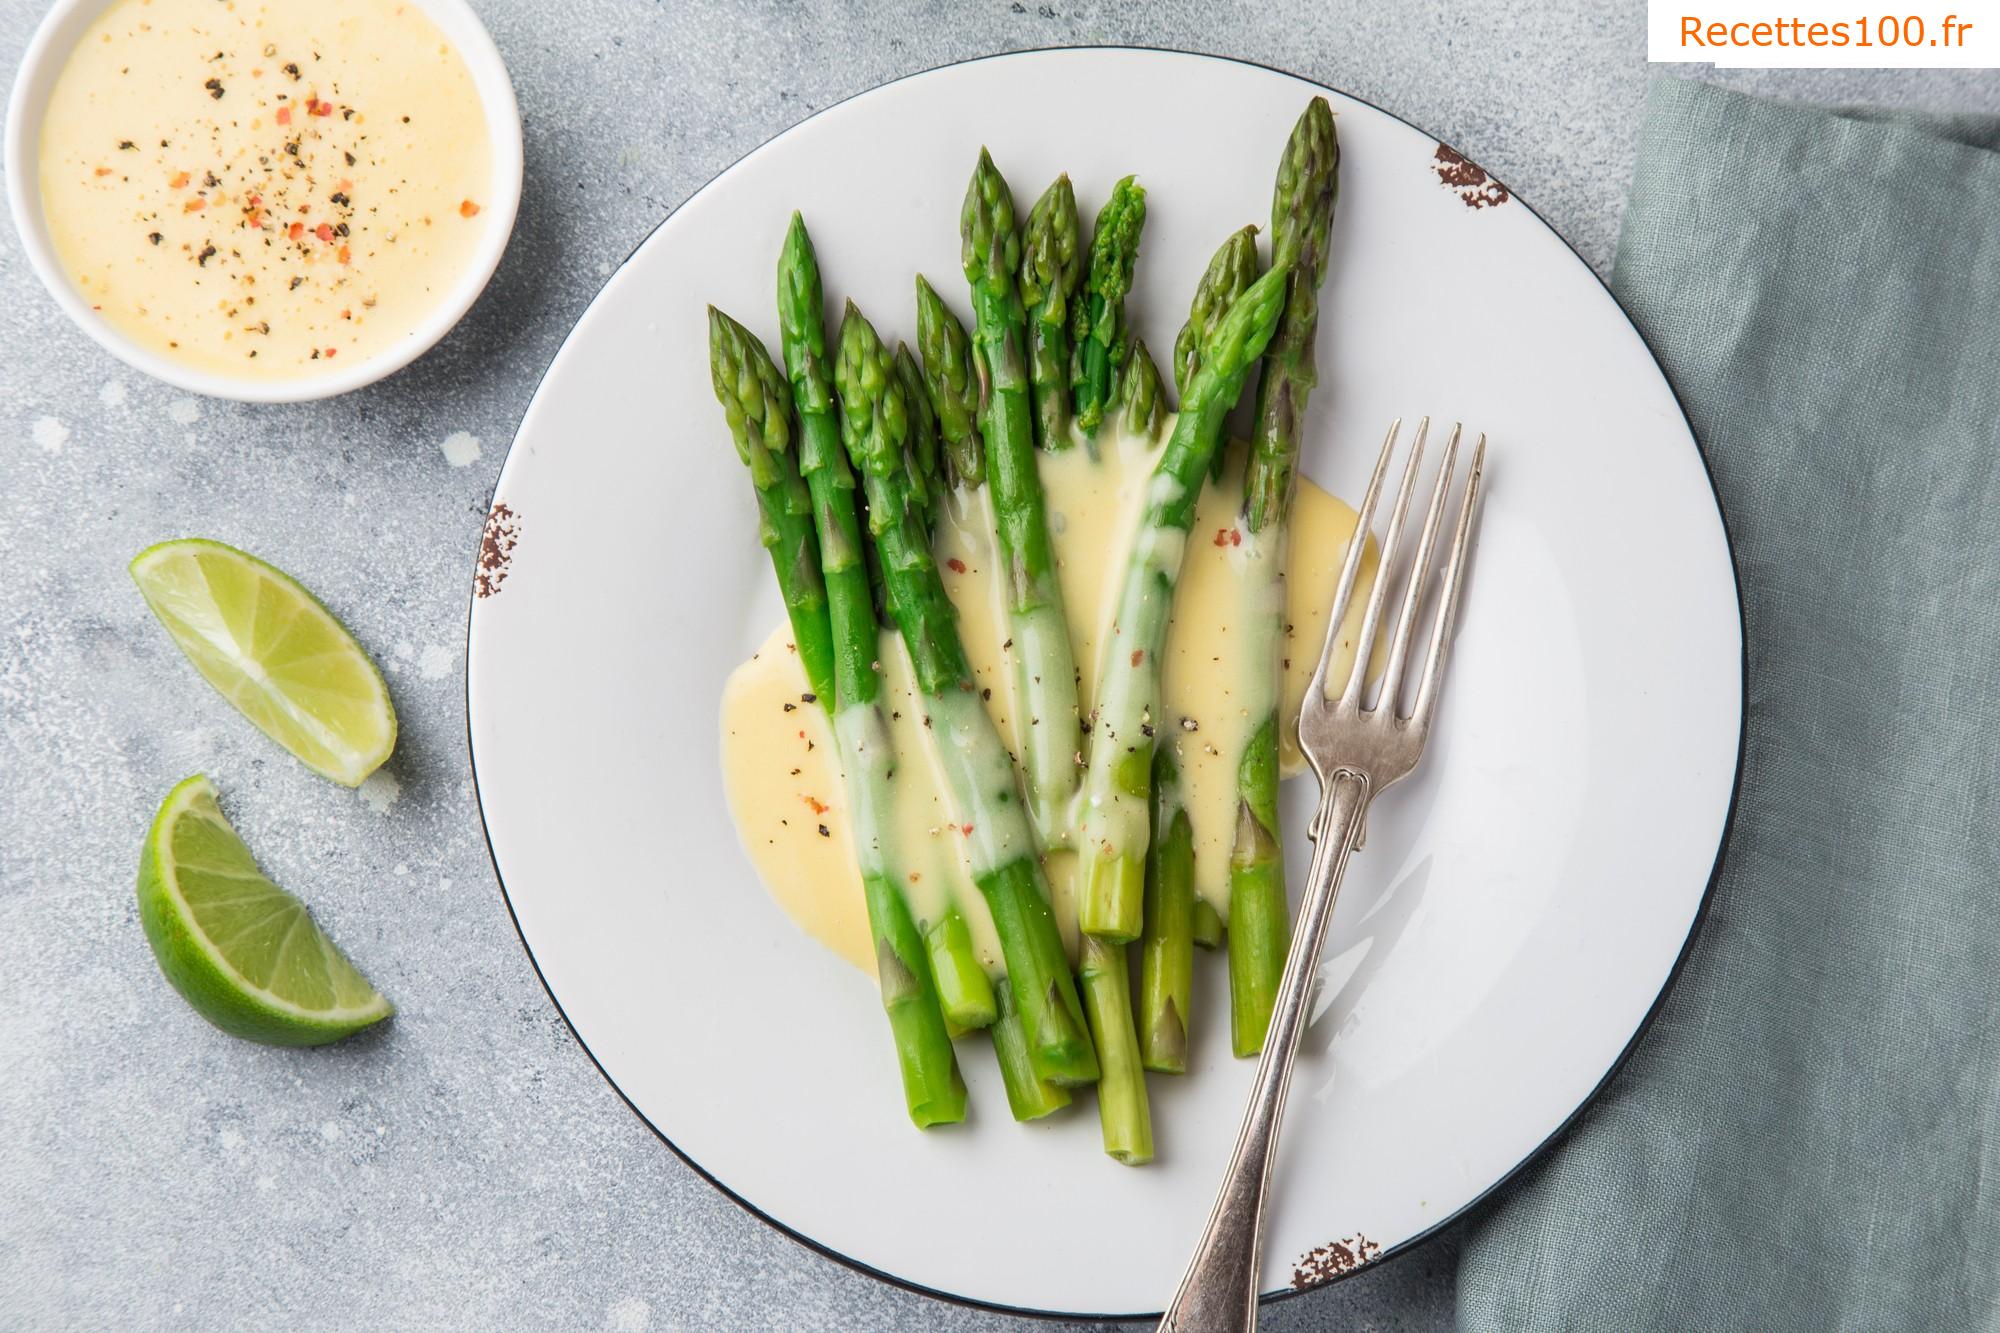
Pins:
x,y
1357,752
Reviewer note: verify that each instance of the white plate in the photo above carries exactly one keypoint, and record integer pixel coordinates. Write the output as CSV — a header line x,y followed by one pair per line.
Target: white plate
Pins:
x,y
1522,902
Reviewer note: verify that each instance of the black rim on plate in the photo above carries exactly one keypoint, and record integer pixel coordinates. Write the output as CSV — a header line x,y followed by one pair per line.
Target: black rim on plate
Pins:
x,y
1534,1154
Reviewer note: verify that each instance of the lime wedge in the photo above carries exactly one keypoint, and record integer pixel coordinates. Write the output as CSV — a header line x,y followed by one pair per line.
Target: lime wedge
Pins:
x,y
273,651
241,950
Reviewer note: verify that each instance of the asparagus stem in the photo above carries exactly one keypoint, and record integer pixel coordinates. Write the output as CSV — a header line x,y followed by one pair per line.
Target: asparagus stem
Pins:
x,y
1043,662
1301,228
979,775
963,988
1029,1096
1100,331
1166,942
1208,931
1115,832
1260,930
933,1091
1052,262
755,401
1122,1110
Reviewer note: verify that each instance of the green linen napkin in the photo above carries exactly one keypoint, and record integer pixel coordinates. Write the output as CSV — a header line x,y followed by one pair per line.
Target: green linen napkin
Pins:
x,y
1809,1136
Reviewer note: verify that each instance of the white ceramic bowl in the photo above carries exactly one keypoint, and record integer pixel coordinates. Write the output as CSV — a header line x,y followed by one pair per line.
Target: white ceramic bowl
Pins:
x,y
47,53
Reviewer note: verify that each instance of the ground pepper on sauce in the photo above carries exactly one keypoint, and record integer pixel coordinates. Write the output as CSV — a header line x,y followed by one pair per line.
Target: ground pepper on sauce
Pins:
x,y
297,220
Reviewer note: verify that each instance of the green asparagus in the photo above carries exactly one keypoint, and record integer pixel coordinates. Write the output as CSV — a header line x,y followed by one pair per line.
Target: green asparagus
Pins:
x,y
933,1092
1052,262
1166,940
964,990
952,381
1100,333
1123,1113
1142,401
1000,847
1043,663
1029,1095
1208,930
1301,228
1115,832
755,401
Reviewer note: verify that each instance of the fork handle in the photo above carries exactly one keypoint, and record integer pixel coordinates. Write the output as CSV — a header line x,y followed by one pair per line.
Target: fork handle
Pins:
x,y
1218,1293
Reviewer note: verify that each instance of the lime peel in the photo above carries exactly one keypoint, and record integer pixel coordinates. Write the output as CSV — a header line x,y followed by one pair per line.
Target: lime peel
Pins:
x,y
198,881
274,651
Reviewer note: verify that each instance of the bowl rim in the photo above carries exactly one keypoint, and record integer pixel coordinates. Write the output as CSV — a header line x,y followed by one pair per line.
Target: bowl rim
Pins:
x,y
47,53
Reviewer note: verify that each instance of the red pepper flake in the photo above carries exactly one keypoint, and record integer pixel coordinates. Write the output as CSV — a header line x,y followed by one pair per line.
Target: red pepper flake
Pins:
x,y
296,230
332,352
468,209
955,565
194,205
103,171
1138,656
818,807
345,256
1222,536
325,233
284,115
966,829
318,108
179,182
256,200
1235,536
253,218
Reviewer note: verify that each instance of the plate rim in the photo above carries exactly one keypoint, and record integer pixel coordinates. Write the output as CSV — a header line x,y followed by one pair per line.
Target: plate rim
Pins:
x,y
1535,1154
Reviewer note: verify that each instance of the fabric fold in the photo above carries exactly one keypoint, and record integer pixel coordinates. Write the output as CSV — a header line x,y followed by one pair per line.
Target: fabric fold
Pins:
x,y
1809,1137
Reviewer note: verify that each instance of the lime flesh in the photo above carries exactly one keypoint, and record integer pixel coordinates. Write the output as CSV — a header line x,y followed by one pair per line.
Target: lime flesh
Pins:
x,y
274,652
245,953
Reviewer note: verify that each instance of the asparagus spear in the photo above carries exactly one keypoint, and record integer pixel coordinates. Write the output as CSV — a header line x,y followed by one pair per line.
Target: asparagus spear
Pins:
x,y
953,385
964,990
1000,846
753,398
1301,227
1115,832
1166,942
1029,1095
1123,1114
923,450
1100,332
932,1089
1052,261
1043,662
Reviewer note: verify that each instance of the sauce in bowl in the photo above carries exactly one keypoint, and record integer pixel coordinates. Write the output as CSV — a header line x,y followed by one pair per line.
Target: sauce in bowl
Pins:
x,y
265,189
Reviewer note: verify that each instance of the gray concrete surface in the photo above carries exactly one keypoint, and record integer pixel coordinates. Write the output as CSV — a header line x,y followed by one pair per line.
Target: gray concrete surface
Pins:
x,y
467,1167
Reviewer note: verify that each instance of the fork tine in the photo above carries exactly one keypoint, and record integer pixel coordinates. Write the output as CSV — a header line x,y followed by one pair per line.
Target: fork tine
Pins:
x,y
1351,566
1364,647
1420,574
1420,712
